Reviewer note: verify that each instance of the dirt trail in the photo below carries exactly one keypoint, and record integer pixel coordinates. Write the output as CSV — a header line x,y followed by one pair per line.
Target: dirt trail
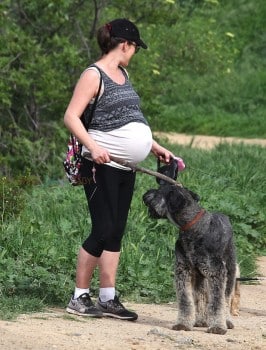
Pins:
x,y
54,329
206,142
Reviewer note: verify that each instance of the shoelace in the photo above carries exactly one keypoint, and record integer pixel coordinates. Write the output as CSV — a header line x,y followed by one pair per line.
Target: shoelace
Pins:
x,y
115,304
86,300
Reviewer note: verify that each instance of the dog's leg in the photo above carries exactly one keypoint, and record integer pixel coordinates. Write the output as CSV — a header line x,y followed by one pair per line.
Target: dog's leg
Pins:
x,y
235,300
235,297
201,299
217,304
185,302
232,292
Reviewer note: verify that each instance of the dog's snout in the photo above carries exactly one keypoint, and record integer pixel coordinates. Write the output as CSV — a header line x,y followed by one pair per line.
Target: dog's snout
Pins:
x,y
156,204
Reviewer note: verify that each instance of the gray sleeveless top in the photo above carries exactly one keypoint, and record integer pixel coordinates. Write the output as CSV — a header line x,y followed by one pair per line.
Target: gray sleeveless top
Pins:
x,y
118,105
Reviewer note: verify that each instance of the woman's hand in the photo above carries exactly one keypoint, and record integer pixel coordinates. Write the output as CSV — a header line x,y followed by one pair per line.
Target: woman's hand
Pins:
x,y
100,155
161,153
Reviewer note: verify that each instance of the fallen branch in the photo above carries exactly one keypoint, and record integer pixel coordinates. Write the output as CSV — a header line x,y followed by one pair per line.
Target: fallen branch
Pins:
x,y
245,279
146,171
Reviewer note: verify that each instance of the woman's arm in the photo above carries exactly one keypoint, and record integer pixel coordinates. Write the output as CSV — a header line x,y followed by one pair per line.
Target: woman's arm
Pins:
x,y
86,88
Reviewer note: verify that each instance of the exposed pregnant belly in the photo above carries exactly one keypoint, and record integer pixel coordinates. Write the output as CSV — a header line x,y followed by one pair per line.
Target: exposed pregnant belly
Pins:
x,y
132,142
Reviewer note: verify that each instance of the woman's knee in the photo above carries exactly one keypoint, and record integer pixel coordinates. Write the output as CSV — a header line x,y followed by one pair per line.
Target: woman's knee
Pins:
x,y
93,246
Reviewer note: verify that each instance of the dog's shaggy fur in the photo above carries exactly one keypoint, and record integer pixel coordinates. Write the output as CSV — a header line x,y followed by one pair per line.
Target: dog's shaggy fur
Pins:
x,y
205,269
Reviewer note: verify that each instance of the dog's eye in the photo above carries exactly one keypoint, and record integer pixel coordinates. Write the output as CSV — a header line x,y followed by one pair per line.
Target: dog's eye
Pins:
x,y
175,201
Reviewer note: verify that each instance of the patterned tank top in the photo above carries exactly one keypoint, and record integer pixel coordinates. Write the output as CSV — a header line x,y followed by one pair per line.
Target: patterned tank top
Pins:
x,y
118,105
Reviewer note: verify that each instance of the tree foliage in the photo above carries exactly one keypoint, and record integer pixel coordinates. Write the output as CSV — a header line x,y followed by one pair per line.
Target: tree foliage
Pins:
x,y
206,61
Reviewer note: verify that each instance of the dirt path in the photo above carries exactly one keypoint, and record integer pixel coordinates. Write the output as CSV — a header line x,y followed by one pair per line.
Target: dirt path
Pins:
x,y
206,142
54,329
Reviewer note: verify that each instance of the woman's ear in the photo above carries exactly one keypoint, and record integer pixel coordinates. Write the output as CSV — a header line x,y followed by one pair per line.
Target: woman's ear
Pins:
x,y
124,46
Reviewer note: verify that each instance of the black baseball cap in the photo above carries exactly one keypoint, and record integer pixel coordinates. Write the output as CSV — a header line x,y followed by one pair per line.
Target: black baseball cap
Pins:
x,y
125,29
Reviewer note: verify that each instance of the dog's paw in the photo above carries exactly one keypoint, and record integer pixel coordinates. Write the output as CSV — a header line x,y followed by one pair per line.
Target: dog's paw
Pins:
x,y
229,324
216,330
200,324
181,327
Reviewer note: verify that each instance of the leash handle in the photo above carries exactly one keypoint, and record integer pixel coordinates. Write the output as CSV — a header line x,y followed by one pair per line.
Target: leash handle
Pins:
x,y
170,169
180,163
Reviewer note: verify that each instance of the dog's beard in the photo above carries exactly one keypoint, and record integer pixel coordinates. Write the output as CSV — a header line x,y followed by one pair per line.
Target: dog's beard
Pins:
x,y
170,218
156,204
153,213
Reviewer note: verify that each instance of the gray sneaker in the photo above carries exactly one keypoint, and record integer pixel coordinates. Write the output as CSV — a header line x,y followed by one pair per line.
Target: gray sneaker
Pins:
x,y
113,308
83,306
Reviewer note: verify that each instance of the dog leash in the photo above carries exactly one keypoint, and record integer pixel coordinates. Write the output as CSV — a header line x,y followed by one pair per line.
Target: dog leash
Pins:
x,y
135,167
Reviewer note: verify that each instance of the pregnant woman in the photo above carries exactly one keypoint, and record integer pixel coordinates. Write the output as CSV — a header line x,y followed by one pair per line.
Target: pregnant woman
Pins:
x,y
118,129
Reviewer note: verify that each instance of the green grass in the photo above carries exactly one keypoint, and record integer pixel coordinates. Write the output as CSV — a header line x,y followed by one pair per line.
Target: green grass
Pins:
x,y
39,242
12,306
195,120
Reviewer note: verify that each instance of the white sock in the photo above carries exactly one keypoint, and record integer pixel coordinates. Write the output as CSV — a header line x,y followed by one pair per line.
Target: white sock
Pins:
x,y
107,294
80,291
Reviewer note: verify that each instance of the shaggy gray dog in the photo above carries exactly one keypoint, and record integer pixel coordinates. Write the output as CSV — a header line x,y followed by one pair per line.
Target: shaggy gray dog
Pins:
x,y
205,267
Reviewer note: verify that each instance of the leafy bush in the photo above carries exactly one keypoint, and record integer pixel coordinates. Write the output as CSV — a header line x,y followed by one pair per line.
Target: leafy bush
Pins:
x,y
38,155
204,71
12,200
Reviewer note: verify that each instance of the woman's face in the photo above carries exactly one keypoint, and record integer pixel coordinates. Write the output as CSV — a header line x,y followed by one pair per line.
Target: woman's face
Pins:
x,y
129,49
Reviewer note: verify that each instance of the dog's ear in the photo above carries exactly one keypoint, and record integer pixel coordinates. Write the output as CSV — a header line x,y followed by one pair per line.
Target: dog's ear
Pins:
x,y
175,201
194,195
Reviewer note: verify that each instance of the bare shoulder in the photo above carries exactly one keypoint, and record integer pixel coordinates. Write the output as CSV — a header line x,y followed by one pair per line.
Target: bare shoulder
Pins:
x,y
88,82
90,75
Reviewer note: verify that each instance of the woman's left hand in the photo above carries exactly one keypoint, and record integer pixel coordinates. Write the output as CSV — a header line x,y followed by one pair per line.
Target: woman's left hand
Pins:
x,y
163,154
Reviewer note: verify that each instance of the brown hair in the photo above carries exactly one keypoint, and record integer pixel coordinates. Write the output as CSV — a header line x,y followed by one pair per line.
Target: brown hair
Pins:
x,y
105,41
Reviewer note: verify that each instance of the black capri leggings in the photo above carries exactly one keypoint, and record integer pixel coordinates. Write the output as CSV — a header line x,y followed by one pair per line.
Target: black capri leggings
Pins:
x,y
109,202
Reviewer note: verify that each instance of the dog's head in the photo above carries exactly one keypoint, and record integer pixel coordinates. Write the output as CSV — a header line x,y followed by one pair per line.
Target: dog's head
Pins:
x,y
168,201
